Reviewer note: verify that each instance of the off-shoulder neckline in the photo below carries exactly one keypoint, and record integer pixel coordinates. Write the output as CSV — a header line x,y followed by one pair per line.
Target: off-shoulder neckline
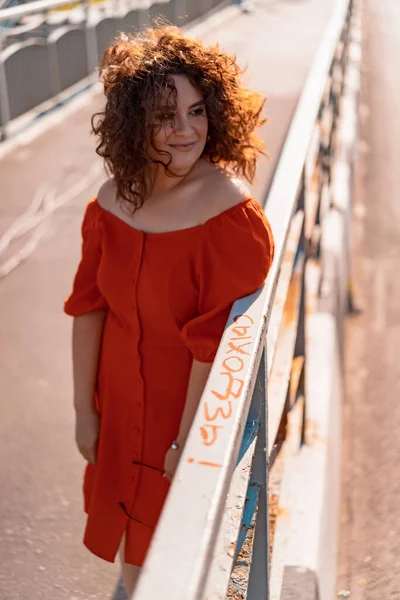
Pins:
x,y
225,212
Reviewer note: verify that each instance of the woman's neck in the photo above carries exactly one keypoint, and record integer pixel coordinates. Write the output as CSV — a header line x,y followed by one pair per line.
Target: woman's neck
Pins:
x,y
165,182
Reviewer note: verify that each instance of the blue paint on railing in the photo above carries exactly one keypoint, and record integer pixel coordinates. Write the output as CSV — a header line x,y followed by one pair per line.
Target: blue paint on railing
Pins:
x,y
250,505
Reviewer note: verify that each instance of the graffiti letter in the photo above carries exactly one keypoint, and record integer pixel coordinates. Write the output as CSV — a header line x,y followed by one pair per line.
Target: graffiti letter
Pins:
x,y
229,390
242,330
231,369
208,440
244,317
219,411
234,348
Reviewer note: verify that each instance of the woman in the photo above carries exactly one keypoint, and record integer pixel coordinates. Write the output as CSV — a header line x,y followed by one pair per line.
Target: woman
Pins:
x,y
170,242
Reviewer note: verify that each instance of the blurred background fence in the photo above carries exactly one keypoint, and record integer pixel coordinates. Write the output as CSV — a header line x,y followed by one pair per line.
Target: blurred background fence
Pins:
x,y
50,49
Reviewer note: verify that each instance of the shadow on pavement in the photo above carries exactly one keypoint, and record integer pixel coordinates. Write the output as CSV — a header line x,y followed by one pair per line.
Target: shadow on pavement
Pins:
x,y
120,593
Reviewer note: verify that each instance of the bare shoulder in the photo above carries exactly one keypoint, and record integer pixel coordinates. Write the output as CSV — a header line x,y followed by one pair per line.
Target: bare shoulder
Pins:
x,y
225,190
106,196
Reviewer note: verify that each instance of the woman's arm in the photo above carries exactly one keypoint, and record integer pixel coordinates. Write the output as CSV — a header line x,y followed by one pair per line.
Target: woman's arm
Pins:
x,y
86,342
197,380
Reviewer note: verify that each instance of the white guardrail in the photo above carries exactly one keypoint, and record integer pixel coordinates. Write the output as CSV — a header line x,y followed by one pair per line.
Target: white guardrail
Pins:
x,y
44,6
32,8
218,505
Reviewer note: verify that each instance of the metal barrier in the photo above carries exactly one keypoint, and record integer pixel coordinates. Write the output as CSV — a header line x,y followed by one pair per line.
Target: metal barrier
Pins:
x,y
217,530
52,62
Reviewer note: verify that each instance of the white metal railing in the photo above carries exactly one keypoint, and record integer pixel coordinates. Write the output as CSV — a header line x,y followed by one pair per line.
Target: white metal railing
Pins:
x,y
32,8
262,353
43,6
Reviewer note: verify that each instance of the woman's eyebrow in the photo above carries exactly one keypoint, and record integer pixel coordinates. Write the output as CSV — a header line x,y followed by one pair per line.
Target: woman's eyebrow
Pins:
x,y
198,103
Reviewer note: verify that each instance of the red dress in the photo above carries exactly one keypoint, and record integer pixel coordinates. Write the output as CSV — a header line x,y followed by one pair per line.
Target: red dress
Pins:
x,y
168,297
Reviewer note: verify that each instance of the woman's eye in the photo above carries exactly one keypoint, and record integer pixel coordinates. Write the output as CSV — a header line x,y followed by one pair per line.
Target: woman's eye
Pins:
x,y
165,117
198,111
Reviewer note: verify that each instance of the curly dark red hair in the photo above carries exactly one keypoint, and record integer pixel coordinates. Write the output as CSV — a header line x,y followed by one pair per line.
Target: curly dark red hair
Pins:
x,y
136,71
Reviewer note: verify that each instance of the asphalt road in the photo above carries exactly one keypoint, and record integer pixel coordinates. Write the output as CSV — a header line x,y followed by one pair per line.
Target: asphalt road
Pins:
x,y
369,565
41,518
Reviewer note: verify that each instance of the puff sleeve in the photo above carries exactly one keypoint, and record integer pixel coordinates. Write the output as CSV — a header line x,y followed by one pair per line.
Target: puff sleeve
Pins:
x,y
86,296
234,256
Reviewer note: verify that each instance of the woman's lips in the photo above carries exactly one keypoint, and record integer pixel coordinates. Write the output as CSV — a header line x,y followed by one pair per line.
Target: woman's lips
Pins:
x,y
183,147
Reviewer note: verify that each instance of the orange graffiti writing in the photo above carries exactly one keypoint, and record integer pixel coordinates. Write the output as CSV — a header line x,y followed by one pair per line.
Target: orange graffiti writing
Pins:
x,y
243,317
228,367
232,364
229,390
209,434
218,411
205,463
235,348
241,330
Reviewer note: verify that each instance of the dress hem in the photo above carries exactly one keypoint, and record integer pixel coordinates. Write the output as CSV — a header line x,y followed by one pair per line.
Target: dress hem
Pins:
x,y
99,554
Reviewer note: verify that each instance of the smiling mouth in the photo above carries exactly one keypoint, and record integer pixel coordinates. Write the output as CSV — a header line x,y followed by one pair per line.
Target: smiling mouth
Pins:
x,y
183,147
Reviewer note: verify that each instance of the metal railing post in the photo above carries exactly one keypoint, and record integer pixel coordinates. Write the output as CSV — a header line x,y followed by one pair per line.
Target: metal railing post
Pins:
x,y
90,39
300,351
259,568
54,72
180,11
144,8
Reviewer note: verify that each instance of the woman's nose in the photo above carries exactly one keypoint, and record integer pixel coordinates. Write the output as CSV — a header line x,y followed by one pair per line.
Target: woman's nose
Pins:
x,y
182,125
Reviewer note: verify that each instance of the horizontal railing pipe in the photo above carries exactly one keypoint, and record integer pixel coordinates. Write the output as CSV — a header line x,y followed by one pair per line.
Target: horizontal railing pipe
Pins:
x,y
41,6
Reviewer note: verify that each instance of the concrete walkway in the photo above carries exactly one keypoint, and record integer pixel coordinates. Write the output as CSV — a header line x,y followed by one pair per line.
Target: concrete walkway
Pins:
x,y
370,548
41,524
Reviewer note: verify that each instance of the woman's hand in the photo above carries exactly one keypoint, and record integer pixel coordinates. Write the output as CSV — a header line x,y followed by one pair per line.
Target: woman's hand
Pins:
x,y
171,462
87,430
197,380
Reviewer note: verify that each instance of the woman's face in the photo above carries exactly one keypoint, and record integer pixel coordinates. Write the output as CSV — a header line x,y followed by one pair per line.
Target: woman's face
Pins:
x,y
182,135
